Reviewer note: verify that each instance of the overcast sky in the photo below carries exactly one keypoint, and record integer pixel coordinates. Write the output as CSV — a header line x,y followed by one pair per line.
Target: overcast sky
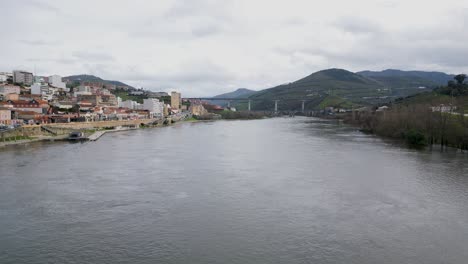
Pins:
x,y
207,47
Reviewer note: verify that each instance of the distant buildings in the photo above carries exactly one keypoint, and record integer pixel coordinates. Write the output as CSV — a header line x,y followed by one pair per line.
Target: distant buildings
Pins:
x,y
5,76
157,94
175,100
443,108
129,104
198,110
23,77
154,106
136,92
56,81
82,90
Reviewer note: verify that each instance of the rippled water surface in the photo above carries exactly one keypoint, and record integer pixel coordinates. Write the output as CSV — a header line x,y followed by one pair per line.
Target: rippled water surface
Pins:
x,y
285,190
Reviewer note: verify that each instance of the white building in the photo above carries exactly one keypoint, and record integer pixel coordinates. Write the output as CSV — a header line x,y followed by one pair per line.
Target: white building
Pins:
x,y
9,89
4,76
56,81
128,104
83,90
444,108
44,90
154,106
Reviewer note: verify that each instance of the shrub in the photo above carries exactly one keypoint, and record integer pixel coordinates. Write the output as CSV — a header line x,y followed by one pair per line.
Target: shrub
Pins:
x,y
415,138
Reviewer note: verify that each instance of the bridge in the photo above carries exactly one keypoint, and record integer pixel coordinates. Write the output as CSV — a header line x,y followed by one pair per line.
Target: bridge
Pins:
x,y
249,100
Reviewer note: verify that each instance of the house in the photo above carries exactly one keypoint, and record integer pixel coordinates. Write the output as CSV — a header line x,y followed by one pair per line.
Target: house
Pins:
x,y
197,110
382,108
12,96
5,116
38,106
31,116
82,90
138,92
443,108
9,89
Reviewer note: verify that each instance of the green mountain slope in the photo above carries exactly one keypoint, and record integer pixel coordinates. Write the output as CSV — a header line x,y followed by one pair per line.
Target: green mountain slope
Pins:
x,y
92,78
316,87
398,78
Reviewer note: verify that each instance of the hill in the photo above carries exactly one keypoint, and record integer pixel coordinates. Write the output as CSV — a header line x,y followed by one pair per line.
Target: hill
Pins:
x,y
398,78
239,93
351,88
92,78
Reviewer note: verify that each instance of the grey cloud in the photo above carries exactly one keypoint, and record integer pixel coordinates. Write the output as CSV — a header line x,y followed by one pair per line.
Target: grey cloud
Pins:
x,y
92,56
42,6
357,25
38,42
205,30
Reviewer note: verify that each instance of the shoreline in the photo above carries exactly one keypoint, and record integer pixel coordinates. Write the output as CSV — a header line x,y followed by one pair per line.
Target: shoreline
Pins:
x,y
65,137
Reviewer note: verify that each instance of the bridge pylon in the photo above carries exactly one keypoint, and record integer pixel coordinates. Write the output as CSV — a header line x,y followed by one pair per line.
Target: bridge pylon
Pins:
x,y
276,106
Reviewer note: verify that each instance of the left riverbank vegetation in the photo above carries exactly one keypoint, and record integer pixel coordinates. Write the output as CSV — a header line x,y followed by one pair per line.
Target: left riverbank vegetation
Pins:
x,y
436,118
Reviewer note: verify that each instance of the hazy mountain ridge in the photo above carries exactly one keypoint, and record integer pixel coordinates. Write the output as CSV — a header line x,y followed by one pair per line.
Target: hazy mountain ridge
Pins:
x,y
237,93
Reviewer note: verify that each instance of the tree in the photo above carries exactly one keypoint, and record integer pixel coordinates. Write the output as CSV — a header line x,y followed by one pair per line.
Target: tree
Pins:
x,y
460,78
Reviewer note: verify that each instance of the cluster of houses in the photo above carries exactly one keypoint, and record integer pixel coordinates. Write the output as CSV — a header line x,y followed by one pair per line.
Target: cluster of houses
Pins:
x,y
29,99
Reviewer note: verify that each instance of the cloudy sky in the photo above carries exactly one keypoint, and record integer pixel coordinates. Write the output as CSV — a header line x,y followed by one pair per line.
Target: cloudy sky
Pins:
x,y
207,47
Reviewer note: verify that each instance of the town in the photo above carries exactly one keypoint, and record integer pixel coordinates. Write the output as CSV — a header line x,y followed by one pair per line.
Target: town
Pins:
x,y
27,99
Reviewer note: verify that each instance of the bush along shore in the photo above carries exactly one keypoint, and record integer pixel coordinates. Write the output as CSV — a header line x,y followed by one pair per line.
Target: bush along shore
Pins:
x,y
417,125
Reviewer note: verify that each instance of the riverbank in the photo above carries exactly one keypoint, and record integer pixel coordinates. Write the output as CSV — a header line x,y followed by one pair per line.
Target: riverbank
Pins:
x,y
93,131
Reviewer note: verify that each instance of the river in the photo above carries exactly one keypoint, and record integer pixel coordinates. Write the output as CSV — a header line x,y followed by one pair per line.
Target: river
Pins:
x,y
282,190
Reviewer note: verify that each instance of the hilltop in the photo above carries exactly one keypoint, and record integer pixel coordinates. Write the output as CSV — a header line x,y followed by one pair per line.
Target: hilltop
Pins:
x,y
92,78
241,92
397,78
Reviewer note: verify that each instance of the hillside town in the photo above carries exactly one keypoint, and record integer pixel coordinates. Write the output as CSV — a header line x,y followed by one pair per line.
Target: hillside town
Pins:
x,y
26,99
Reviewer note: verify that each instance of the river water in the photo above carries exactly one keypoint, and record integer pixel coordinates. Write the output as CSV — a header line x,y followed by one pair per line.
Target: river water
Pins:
x,y
284,190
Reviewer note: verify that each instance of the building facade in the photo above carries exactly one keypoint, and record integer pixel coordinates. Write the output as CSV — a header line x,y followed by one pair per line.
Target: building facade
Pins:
x,y
154,106
9,89
129,104
5,116
4,76
56,81
23,77
175,100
